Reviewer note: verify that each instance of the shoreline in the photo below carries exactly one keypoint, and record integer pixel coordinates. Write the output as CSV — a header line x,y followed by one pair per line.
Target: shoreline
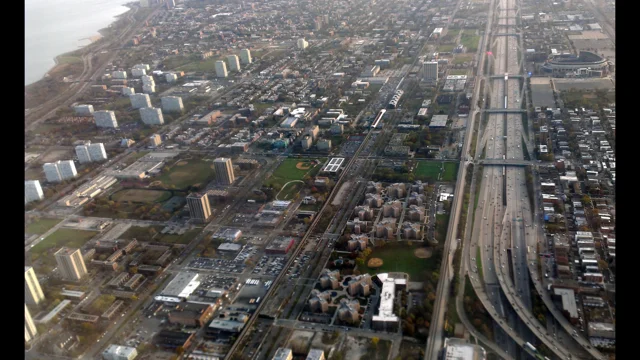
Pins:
x,y
100,35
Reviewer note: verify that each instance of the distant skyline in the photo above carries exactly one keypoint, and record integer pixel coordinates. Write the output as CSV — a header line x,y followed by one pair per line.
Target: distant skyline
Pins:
x,y
54,27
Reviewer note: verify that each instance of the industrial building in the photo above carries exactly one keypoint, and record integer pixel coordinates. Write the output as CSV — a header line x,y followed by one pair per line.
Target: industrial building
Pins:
x,y
280,246
224,171
172,104
234,62
32,292
179,289
439,121
87,191
245,56
199,208
105,119
191,314
117,352
151,116
60,170
32,191
221,69
71,264
139,101
172,340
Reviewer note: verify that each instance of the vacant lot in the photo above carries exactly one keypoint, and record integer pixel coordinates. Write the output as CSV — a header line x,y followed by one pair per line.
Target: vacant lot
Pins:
x,y
185,173
292,169
41,226
64,237
459,59
153,233
141,195
400,257
446,48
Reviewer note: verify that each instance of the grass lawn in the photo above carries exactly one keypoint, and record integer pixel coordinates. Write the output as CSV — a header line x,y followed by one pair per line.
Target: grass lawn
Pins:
x,y
458,72
479,263
450,171
68,59
208,65
470,41
442,224
460,59
41,226
187,173
289,191
178,239
141,195
288,171
64,237
400,257
446,48
142,233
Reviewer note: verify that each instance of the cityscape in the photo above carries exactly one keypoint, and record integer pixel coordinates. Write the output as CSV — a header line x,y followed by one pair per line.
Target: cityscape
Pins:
x,y
290,180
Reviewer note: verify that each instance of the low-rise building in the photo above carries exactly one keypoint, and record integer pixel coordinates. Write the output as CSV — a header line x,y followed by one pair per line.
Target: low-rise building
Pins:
x,y
191,314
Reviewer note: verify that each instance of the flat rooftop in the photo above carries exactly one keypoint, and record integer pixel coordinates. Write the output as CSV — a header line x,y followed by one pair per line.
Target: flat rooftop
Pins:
x,y
333,165
182,285
568,301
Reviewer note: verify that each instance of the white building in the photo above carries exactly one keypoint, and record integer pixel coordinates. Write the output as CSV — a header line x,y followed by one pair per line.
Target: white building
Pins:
x,y
137,72
221,69
82,152
139,101
117,352
172,104
458,349
149,88
120,75
180,288
106,119
97,152
430,70
60,170
83,110
302,44
32,291
126,91
142,66
315,354
29,327
234,62
147,79
32,191
245,56
386,319
151,116
171,78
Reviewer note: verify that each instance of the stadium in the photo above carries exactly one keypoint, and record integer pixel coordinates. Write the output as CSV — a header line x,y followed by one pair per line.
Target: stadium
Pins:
x,y
585,64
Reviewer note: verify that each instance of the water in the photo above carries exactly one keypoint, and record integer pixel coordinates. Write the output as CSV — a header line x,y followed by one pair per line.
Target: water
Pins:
x,y
54,27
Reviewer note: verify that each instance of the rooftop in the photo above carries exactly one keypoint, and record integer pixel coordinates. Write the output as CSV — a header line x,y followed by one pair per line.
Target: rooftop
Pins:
x,y
182,285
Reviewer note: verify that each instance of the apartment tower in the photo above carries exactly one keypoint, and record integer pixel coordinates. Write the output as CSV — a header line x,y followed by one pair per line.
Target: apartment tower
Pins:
x,y
199,208
71,264
32,291
224,171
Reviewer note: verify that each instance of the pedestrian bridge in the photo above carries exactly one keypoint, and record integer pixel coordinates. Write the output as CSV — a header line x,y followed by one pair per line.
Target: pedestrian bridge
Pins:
x,y
510,76
505,111
507,34
507,162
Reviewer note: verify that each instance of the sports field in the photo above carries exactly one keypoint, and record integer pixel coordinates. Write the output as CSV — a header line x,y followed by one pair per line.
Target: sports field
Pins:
x,y
430,170
293,169
401,257
141,195
64,237
185,173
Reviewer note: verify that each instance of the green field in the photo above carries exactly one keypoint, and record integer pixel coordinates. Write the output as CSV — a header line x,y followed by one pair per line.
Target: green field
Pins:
x,y
186,173
208,65
470,41
479,262
459,59
458,72
64,237
68,60
41,226
446,48
430,170
288,171
141,195
400,257
442,225
152,233
290,190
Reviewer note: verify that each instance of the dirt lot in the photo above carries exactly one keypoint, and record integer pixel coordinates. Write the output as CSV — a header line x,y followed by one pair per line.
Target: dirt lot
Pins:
x,y
55,155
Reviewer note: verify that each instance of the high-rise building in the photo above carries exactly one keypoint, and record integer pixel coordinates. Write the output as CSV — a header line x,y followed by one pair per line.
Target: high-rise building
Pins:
x,y
151,116
155,140
199,208
302,44
83,110
82,152
30,330
32,291
172,104
221,69
105,118
70,263
32,191
224,171
234,62
60,170
97,152
430,70
139,101
171,4
245,56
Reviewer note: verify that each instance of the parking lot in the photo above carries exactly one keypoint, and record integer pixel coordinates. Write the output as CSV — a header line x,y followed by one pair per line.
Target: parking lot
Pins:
x,y
222,265
269,265
299,264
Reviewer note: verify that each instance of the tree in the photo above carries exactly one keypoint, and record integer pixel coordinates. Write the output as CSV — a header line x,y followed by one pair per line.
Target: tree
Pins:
x,y
375,341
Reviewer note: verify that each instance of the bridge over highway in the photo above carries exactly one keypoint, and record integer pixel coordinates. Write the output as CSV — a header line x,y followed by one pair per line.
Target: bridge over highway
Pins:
x,y
501,162
504,111
511,76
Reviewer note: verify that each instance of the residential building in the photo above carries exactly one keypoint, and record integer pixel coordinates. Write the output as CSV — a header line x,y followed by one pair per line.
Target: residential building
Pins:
x,y
245,56
234,62
82,152
319,301
221,69
117,352
224,171
139,101
83,110
120,75
30,330
106,119
70,263
172,104
155,140
126,91
330,279
359,285
151,116
171,78
430,70
199,208
283,354
32,291
137,72
97,152
60,170
348,310
149,88
52,172
315,354
32,191
302,44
